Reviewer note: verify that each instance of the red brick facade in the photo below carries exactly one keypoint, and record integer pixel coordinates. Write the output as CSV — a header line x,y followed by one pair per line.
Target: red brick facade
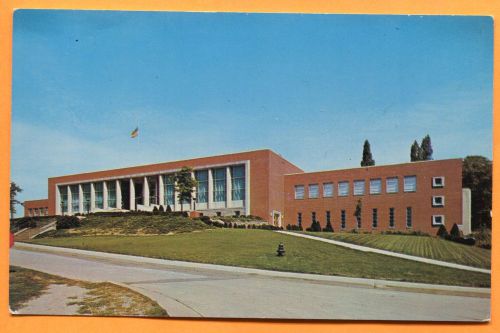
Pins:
x,y
419,201
36,207
272,183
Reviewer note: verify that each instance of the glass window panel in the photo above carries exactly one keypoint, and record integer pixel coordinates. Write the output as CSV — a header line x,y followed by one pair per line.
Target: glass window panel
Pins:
x,y
219,180
238,182
343,189
392,185
169,190
375,186
75,199
111,194
202,186
299,191
99,197
313,191
86,197
328,190
410,183
359,187
63,192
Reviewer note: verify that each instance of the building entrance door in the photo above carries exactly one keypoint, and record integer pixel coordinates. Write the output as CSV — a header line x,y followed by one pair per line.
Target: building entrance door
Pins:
x,y
276,218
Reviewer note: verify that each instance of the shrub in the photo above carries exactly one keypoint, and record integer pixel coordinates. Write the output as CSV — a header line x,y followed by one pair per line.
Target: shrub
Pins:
x,y
162,210
155,210
442,232
169,209
455,232
315,226
67,222
328,227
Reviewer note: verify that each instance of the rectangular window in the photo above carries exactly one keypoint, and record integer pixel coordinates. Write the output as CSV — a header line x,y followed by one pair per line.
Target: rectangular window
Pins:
x,y
328,216
343,189
202,186
169,190
374,217
299,219
313,216
313,191
152,184
342,219
99,198
438,182
30,211
328,190
409,217
75,199
437,220
86,197
359,187
299,191
238,182
375,186
410,183
438,201
391,218
358,221
63,192
219,180
392,185
111,185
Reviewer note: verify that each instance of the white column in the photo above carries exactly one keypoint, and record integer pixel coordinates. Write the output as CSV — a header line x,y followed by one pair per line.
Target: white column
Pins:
x,y
247,188
177,204
118,194
80,198
229,187
104,195
161,190
70,201
132,194
58,201
92,197
194,193
210,190
145,192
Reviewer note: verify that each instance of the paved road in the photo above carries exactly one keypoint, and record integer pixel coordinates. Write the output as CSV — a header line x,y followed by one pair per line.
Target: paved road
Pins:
x,y
202,292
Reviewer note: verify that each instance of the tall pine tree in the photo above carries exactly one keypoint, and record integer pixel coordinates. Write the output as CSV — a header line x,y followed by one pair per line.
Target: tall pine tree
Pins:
x,y
415,153
367,155
426,148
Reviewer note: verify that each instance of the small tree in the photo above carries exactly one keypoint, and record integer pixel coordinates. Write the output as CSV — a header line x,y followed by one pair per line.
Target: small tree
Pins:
x,y
415,152
367,155
426,148
315,226
14,190
328,227
185,185
442,232
358,211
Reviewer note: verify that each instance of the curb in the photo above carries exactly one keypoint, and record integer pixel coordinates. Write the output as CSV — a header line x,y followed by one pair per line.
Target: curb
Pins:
x,y
337,280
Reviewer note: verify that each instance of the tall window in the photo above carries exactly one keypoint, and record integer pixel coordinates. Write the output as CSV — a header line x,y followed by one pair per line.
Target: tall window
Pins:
x,y
375,186
408,217
63,192
327,190
343,189
342,219
358,221
374,217
359,187
238,182
299,191
391,217
219,176
313,216
202,186
86,197
410,183
169,190
313,191
111,185
75,199
328,216
299,219
152,184
392,185
99,198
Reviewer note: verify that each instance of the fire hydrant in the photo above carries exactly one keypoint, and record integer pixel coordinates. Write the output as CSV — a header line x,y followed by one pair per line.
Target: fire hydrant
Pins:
x,y
281,250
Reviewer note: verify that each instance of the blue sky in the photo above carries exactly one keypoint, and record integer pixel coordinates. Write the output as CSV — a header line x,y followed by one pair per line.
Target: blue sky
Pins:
x,y
310,87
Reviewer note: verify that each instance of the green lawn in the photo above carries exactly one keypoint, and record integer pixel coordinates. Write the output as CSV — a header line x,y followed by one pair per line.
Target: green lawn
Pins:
x,y
257,249
422,246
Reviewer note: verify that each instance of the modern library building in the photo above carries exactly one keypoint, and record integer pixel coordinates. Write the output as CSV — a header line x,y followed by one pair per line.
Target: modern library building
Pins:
x,y
416,196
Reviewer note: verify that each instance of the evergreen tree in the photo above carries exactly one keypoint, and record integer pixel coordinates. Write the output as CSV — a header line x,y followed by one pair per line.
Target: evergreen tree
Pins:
x,y
426,148
416,152
14,190
184,184
367,155
477,175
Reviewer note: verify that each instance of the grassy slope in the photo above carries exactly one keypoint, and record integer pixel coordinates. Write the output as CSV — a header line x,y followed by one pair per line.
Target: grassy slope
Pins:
x,y
257,249
131,224
103,299
428,247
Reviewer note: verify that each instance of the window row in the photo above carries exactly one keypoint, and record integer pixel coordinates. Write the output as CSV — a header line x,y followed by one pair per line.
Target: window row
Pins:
x,y
43,211
359,187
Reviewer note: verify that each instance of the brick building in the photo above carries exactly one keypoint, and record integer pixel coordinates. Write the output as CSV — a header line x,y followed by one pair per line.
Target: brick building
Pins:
x,y
410,196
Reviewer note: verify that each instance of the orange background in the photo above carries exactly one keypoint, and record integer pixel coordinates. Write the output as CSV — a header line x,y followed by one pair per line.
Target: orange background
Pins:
x,y
10,323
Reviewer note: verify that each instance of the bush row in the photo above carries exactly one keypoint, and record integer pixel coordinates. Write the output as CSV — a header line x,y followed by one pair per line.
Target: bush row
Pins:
x,y
455,235
67,222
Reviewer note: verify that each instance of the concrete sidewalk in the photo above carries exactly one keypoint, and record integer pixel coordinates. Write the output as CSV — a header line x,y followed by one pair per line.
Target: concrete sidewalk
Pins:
x,y
333,280
389,253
